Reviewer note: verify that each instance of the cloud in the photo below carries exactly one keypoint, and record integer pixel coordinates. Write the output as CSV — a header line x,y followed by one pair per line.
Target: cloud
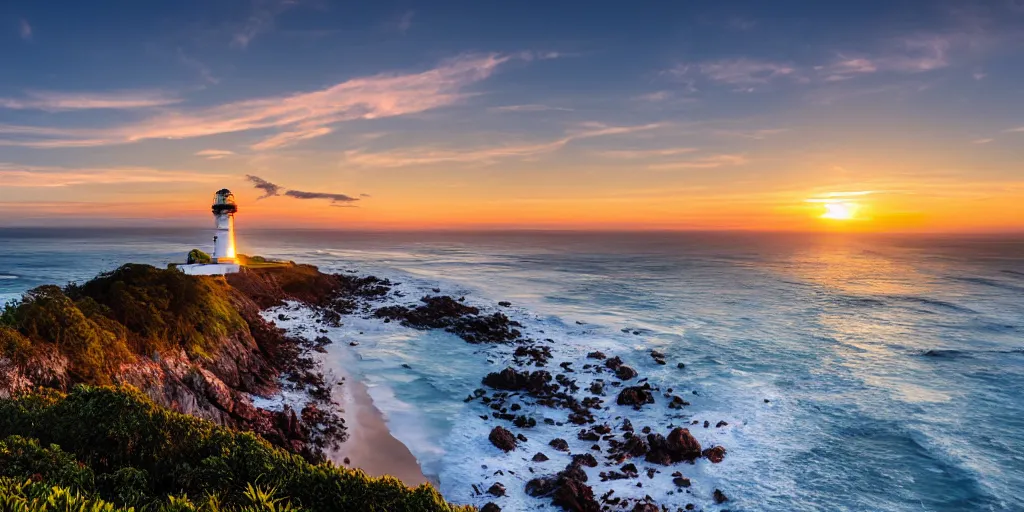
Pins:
x,y
58,101
299,116
751,134
981,141
405,22
273,190
485,155
708,162
527,108
261,20
16,175
199,67
334,198
214,154
24,29
741,71
1019,129
269,189
654,97
646,153
288,138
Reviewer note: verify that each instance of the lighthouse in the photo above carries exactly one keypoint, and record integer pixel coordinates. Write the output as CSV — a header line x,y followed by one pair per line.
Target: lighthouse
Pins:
x,y
224,209
224,260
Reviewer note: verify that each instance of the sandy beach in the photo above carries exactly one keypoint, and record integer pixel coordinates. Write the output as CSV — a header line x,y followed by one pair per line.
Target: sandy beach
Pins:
x,y
370,445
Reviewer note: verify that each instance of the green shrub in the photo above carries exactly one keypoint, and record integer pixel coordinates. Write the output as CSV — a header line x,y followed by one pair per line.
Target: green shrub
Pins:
x,y
110,429
197,256
163,308
20,457
46,315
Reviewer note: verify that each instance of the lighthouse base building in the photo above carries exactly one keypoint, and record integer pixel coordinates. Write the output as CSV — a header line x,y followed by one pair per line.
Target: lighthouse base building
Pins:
x,y
224,259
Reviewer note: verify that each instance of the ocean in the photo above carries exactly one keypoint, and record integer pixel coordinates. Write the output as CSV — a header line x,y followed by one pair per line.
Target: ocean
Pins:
x,y
893,367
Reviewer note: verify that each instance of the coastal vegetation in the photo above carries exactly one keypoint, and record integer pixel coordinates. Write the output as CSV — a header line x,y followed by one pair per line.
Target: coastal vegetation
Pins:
x,y
111,448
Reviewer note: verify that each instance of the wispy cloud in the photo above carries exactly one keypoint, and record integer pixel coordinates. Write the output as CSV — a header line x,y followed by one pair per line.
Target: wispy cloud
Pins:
x,y
299,116
269,189
486,155
16,175
405,22
334,198
706,162
215,154
274,190
1019,129
261,19
981,141
527,108
646,153
654,97
24,29
199,67
741,72
57,101
761,134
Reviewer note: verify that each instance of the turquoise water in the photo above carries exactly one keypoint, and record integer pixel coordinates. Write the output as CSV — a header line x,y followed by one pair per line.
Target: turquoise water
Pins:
x,y
894,367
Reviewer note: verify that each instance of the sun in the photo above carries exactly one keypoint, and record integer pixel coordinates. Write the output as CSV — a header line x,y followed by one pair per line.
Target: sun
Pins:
x,y
840,210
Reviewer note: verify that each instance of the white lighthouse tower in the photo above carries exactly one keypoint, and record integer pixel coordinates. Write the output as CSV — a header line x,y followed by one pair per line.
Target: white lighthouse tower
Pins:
x,y
224,259
224,209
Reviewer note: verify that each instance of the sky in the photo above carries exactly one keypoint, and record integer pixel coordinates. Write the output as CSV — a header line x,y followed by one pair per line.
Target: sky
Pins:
x,y
786,115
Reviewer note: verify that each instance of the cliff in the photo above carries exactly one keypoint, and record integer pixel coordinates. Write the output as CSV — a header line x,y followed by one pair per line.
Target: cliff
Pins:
x,y
194,344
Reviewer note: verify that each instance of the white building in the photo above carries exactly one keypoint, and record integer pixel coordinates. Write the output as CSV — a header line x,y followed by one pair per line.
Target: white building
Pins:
x,y
224,258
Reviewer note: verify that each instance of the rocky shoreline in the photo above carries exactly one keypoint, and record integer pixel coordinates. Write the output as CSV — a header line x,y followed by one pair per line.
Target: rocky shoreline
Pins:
x,y
590,397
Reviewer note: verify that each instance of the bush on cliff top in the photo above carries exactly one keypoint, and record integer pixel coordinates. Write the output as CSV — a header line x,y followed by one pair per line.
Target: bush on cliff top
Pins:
x,y
136,309
197,256
114,444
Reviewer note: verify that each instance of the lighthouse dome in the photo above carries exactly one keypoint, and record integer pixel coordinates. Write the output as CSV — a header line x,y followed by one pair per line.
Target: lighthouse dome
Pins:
x,y
224,202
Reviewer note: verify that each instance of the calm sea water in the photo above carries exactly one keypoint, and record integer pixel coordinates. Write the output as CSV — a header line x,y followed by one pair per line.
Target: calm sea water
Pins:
x,y
894,366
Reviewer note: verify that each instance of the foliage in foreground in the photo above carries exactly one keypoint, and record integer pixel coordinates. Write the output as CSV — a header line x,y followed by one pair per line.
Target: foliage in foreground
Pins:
x,y
106,448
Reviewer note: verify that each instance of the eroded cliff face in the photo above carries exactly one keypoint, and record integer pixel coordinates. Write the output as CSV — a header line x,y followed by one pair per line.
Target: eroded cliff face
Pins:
x,y
205,359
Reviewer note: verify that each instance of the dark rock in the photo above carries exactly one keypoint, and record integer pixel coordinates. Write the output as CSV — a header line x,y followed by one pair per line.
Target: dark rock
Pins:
x,y
597,387
721,424
540,457
521,437
645,507
559,444
681,481
585,459
505,304
503,439
596,355
680,446
680,366
715,454
707,423
720,496
541,486
537,382
490,507
635,396
613,363
497,489
588,435
624,372
629,469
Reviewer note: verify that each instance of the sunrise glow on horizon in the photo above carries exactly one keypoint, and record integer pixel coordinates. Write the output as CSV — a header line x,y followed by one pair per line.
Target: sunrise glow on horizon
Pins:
x,y
528,116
